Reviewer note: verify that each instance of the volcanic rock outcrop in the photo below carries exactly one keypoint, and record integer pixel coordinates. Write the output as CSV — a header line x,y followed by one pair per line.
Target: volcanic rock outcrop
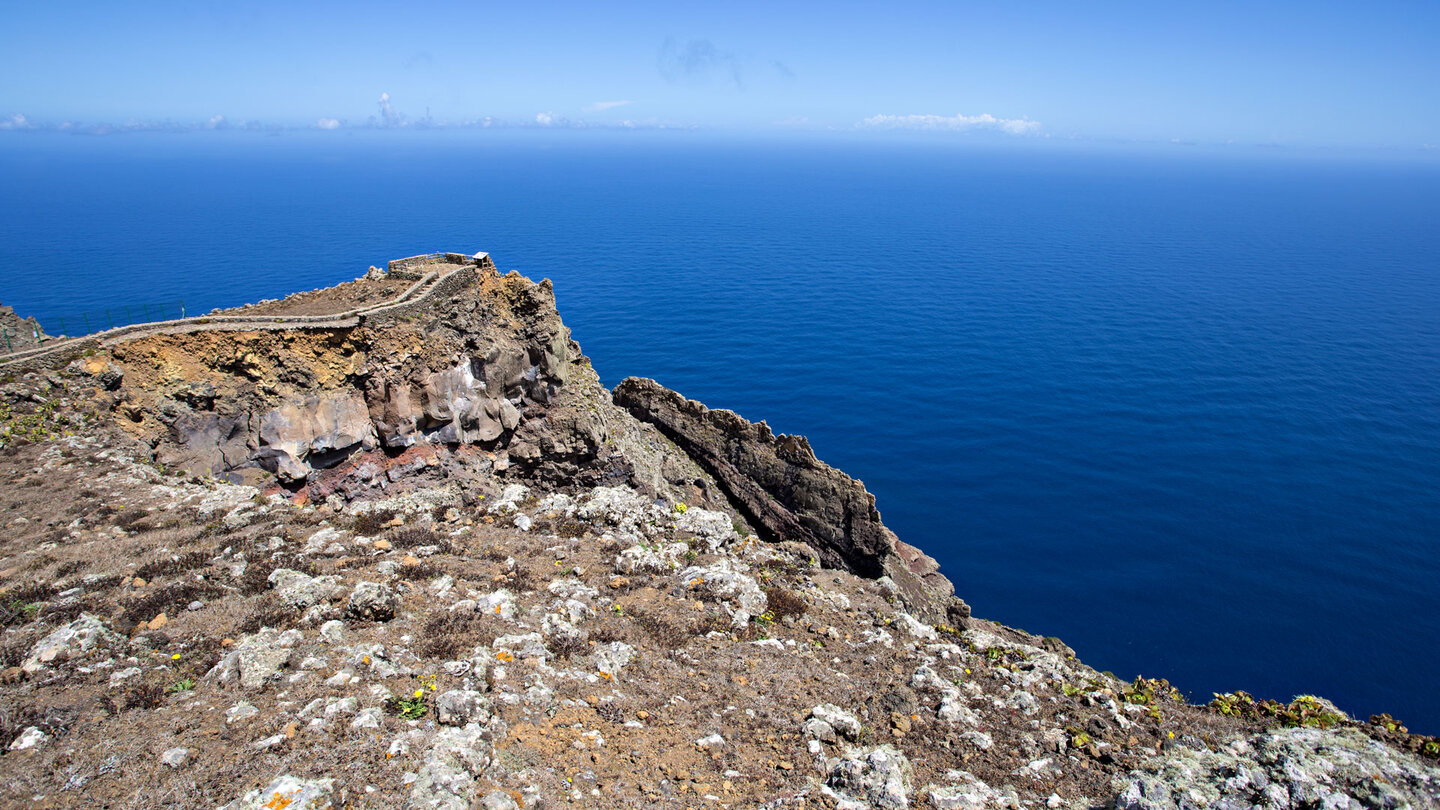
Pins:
x,y
482,373
781,488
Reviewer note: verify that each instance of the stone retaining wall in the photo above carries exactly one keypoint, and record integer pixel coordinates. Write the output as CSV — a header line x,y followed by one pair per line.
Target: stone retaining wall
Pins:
x,y
57,356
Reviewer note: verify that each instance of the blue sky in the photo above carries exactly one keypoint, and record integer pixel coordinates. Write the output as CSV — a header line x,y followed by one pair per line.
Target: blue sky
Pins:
x,y
1289,73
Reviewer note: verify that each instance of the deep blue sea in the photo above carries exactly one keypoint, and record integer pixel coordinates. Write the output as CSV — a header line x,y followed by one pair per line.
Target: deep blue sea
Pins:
x,y
1179,408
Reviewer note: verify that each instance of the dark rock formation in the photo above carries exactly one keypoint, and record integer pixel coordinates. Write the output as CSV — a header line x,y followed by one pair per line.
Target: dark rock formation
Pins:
x,y
779,485
17,333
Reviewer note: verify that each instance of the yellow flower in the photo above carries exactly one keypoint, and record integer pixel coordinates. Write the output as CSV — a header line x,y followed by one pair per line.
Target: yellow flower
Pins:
x,y
421,693
175,657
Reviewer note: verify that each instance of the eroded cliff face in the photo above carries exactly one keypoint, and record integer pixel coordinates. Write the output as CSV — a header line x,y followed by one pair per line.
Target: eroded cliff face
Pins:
x,y
481,380
787,493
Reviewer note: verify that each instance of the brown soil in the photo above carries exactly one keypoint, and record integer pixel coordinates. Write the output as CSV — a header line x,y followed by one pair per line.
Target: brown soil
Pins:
x,y
345,297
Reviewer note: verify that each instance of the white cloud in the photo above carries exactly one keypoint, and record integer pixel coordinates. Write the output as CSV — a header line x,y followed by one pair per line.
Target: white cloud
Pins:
x,y
544,119
953,123
215,122
600,106
327,123
388,116
16,121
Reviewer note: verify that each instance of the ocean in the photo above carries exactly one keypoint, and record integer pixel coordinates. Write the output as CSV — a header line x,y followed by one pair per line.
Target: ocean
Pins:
x,y
1180,408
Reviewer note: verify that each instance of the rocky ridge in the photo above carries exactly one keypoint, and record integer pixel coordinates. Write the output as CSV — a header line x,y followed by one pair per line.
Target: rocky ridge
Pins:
x,y
428,562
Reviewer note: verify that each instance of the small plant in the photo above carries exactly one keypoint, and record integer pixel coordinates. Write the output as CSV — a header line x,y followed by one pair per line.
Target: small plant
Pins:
x,y
1388,723
1305,711
681,508
412,707
182,685
1148,691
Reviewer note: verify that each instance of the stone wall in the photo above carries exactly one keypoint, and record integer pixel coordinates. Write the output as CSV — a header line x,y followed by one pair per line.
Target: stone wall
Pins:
x,y
417,265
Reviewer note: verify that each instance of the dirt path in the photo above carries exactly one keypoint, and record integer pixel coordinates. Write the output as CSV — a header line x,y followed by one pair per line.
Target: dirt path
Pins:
x,y
418,292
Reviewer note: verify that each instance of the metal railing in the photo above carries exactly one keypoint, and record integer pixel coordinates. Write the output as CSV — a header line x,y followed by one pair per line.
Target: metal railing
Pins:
x,y
78,324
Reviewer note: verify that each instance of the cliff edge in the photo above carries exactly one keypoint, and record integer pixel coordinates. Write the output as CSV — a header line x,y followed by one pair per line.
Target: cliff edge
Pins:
x,y
392,544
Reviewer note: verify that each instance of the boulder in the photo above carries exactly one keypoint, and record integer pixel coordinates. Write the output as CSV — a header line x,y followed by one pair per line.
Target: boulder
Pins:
x,y
724,580
880,778
447,779
373,601
528,645
31,737
460,706
301,591
289,792
77,637
255,659
841,721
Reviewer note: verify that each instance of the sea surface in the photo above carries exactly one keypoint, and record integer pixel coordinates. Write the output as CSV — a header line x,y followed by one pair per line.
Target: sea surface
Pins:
x,y
1179,408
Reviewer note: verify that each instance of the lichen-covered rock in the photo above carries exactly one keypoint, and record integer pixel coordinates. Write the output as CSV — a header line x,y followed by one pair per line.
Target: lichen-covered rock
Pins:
x,y
289,792
837,719
254,661
77,637
301,591
725,580
625,513
1284,769
660,558
373,601
527,645
458,707
611,658
509,501
714,529
879,777
446,781
31,737
499,603
968,793
572,588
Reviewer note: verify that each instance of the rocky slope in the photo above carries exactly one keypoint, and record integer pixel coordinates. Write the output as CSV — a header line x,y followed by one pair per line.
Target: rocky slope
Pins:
x,y
427,561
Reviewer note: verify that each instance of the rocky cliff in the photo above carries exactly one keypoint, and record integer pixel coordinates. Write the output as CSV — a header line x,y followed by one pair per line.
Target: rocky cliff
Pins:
x,y
391,544
788,494
483,376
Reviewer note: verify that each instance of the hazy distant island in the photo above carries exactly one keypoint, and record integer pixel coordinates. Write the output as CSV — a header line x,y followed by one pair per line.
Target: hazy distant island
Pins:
x,y
392,544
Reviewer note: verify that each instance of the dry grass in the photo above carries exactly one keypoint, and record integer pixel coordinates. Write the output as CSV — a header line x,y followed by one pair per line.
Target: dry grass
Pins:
x,y
176,564
453,636
781,603
372,523
167,599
